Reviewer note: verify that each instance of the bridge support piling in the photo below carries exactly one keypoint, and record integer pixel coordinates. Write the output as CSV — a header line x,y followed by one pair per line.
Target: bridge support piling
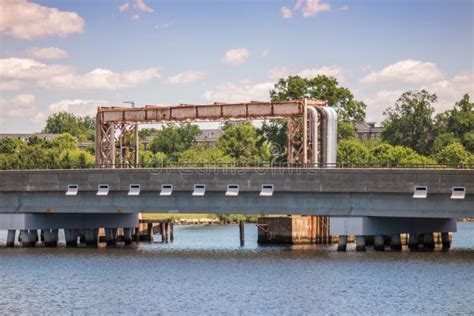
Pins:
x,y
28,238
428,241
413,241
11,238
110,236
446,240
369,240
91,236
164,232
242,233
379,244
71,237
150,232
127,235
137,234
50,237
171,231
342,243
360,243
396,243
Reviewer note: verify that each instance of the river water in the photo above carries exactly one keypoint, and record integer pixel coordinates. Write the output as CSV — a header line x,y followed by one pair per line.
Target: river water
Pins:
x,y
205,271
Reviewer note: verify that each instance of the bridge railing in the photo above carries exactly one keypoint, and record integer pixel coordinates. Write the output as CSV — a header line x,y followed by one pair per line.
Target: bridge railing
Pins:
x,y
283,165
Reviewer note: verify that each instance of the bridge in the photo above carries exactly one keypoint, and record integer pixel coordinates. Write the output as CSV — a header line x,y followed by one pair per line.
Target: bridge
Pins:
x,y
360,201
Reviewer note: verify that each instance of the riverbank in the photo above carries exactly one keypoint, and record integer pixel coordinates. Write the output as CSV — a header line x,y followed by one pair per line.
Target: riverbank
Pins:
x,y
203,219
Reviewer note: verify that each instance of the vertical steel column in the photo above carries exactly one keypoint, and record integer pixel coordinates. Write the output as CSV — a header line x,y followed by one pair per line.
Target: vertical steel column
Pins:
x,y
137,156
305,133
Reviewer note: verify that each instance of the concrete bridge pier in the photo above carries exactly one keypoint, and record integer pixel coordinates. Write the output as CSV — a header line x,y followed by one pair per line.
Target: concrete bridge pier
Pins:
x,y
446,240
28,238
50,237
413,241
127,235
11,238
360,243
91,236
110,236
379,243
71,237
428,241
342,243
396,242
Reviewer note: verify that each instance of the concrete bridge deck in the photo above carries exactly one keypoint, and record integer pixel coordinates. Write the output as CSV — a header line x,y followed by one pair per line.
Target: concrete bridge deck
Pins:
x,y
310,191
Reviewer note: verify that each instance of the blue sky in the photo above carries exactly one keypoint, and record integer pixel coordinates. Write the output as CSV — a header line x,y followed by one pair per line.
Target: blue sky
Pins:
x,y
75,55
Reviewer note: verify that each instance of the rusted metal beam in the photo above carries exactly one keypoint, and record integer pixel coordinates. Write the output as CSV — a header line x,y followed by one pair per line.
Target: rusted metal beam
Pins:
x,y
120,124
200,113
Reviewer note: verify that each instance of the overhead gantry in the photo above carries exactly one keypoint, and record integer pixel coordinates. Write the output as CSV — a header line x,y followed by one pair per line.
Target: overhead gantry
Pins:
x,y
311,134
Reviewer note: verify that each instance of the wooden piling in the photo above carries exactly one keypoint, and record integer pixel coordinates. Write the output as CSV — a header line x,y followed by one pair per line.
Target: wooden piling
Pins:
x,y
242,233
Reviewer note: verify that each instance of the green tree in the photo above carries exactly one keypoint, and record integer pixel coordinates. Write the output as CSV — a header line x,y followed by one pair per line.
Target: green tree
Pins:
x,y
345,130
454,153
275,133
64,122
352,151
459,122
410,122
322,88
386,154
244,143
10,145
173,139
205,156
64,142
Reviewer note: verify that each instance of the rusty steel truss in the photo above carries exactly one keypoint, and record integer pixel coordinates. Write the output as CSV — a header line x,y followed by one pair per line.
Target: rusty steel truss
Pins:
x,y
117,143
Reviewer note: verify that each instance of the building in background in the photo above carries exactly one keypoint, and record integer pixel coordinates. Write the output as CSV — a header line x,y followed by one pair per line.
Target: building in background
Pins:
x,y
26,137
209,136
368,130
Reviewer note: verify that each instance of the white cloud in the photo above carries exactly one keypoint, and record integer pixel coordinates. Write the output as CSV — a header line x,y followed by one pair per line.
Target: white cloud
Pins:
x,y
343,8
47,53
26,68
124,7
77,106
278,72
25,20
186,77
162,26
243,91
235,56
135,17
286,12
311,8
21,106
66,78
379,102
405,71
11,85
142,6
332,71
100,79
449,91
265,52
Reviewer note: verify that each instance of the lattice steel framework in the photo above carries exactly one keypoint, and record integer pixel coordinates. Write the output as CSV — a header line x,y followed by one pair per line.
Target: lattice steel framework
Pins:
x,y
117,141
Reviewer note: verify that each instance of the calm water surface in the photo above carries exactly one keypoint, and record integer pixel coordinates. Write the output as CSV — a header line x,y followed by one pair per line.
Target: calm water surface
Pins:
x,y
206,272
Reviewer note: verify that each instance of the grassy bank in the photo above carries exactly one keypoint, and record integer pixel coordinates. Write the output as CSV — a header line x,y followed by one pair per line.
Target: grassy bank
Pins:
x,y
223,218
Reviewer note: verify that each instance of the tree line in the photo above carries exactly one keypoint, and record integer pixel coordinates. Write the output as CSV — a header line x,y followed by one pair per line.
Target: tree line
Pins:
x,y
412,134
